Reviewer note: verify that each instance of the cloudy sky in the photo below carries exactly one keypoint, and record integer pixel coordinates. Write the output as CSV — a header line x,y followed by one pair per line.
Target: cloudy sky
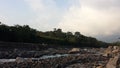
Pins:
x,y
96,18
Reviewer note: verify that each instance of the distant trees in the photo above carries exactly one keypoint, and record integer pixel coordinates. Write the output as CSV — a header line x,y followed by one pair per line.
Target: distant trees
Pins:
x,y
116,43
24,33
69,33
17,33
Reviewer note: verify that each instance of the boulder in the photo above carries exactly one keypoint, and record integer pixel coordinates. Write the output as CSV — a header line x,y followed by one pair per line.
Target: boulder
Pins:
x,y
116,47
28,60
116,51
74,50
112,63
100,66
19,60
108,51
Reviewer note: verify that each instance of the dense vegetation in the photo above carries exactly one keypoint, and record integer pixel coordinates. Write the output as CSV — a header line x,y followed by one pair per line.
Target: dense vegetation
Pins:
x,y
116,43
26,34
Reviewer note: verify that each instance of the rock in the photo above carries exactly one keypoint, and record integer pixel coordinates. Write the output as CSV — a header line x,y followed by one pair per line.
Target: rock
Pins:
x,y
74,50
116,47
112,63
111,50
99,67
115,51
108,51
19,60
28,60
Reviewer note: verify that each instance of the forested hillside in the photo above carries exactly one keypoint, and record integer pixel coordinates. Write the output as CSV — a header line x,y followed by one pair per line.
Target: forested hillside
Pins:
x,y
25,34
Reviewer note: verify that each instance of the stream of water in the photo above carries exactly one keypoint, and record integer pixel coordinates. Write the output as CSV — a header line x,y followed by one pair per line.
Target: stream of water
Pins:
x,y
43,57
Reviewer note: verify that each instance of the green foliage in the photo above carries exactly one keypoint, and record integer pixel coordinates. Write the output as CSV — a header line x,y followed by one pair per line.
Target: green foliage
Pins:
x,y
116,43
17,33
24,33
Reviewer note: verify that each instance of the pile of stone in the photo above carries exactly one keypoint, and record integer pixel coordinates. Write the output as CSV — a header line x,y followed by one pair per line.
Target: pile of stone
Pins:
x,y
112,63
113,53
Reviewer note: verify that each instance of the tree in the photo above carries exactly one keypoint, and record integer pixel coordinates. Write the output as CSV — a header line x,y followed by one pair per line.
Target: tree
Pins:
x,y
59,30
25,34
69,33
77,34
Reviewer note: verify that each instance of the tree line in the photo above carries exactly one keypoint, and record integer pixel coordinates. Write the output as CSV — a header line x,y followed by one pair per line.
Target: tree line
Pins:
x,y
25,34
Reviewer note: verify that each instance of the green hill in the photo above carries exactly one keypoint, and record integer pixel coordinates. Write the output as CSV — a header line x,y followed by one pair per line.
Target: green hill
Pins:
x,y
26,34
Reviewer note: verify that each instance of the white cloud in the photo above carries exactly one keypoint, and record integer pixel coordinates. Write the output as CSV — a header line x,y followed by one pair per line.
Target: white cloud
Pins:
x,y
36,5
46,14
93,18
98,18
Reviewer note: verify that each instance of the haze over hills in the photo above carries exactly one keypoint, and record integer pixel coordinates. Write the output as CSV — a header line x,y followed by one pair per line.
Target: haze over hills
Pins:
x,y
110,39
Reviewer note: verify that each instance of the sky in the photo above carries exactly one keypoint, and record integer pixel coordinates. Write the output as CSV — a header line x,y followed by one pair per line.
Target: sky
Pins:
x,y
96,18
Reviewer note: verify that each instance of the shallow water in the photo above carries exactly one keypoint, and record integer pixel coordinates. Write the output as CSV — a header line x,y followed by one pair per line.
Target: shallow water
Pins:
x,y
53,56
7,60
43,57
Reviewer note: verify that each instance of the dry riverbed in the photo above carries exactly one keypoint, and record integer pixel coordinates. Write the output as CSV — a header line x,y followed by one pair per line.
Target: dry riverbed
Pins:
x,y
53,58
60,57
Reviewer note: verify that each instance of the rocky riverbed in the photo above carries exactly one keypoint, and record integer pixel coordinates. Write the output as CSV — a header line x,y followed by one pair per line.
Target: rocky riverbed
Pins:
x,y
88,61
53,58
61,57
